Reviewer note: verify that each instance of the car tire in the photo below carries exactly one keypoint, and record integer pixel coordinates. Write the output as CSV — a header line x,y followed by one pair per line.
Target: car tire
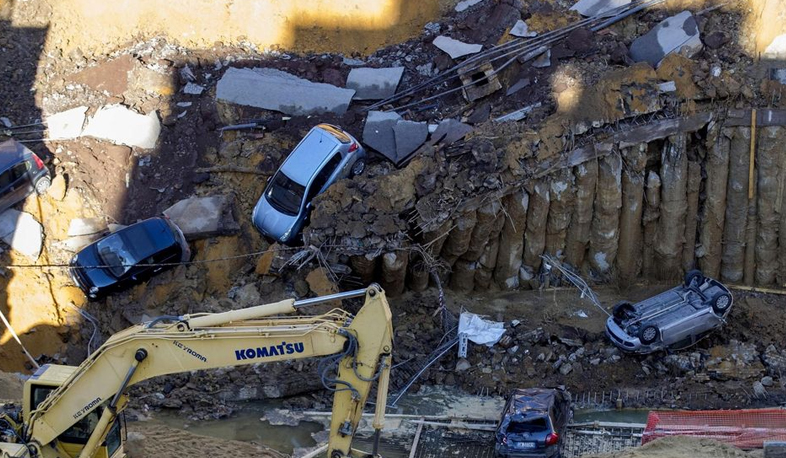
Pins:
x,y
721,304
621,309
649,334
693,276
42,185
358,167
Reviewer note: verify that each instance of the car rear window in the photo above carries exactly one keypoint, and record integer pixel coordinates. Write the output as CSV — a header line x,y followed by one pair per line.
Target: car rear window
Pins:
x,y
531,425
122,250
285,195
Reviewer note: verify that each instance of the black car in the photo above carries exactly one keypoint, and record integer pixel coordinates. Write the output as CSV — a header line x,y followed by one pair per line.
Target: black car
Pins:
x,y
532,422
21,173
121,259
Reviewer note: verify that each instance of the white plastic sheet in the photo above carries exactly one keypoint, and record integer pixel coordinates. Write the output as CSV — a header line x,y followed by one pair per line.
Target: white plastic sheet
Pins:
x,y
480,331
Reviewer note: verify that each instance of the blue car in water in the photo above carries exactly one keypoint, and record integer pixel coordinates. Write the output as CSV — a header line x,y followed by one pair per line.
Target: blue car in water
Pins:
x,y
128,257
325,155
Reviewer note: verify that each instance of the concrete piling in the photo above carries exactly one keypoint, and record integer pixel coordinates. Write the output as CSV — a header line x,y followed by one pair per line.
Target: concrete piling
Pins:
x,y
714,216
511,242
673,208
604,235
629,253
733,256
586,178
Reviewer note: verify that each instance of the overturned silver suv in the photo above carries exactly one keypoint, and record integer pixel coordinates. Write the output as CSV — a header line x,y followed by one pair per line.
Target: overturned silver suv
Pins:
x,y
673,319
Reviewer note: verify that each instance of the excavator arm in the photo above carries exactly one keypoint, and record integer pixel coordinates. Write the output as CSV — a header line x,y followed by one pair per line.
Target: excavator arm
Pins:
x,y
358,347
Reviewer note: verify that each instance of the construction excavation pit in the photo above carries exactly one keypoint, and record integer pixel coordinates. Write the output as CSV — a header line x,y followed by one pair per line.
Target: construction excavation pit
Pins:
x,y
477,228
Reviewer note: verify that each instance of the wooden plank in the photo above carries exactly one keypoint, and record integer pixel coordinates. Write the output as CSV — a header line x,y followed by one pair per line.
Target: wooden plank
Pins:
x,y
415,441
764,118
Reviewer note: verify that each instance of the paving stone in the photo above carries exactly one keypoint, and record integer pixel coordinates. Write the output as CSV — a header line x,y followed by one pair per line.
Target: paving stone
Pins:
x,y
21,232
409,136
678,33
455,48
66,124
276,90
121,125
599,8
378,132
374,83
203,217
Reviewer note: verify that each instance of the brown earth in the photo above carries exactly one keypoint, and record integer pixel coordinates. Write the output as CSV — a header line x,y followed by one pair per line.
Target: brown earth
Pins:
x,y
681,447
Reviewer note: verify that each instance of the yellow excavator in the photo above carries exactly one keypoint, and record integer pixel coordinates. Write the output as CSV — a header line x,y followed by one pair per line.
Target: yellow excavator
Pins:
x,y
70,412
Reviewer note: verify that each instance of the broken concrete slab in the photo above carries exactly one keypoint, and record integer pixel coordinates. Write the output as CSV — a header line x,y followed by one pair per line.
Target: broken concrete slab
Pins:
x,y
519,85
74,244
599,8
66,124
543,61
276,90
378,132
21,232
518,114
449,131
374,83
202,217
521,29
455,48
464,4
86,226
679,33
118,124
409,136
193,89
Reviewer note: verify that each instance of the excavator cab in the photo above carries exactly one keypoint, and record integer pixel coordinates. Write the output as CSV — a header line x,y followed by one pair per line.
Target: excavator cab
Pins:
x,y
47,379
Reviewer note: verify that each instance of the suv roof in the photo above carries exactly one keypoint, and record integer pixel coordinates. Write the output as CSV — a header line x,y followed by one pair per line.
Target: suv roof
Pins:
x,y
11,152
309,155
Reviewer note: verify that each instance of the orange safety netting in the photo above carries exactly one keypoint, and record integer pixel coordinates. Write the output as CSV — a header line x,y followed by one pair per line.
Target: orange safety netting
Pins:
x,y
743,428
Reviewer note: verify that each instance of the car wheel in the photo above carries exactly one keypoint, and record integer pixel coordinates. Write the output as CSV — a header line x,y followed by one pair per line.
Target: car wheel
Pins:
x,y
42,185
721,303
358,167
622,309
649,334
693,276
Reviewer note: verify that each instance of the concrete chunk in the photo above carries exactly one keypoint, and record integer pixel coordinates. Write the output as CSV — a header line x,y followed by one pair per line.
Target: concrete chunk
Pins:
x,y
455,48
599,8
409,136
521,29
378,132
776,50
464,4
449,131
202,217
21,232
374,83
273,89
118,124
678,33
86,226
66,124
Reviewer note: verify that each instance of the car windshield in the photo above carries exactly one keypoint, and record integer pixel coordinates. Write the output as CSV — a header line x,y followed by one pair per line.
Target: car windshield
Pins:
x,y
122,250
285,195
531,425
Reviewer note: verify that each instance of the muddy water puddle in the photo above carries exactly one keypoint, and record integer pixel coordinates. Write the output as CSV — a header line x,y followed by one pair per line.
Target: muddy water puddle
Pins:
x,y
248,424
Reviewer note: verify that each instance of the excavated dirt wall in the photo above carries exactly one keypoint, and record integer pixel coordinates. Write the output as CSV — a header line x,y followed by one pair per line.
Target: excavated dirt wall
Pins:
x,y
654,209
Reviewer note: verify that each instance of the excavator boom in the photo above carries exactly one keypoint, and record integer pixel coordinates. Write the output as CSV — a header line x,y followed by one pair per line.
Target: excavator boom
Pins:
x,y
358,347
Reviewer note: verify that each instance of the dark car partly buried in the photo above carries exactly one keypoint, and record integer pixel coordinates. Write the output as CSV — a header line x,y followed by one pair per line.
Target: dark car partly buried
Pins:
x,y
21,173
532,421
124,258
673,319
